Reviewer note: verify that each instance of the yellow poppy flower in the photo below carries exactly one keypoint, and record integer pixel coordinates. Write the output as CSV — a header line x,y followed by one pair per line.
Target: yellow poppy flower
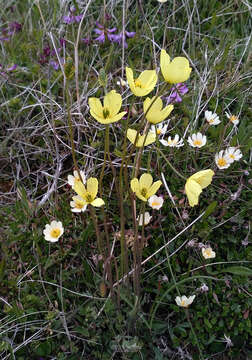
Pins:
x,y
108,113
175,71
88,194
144,187
150,138
144,84
196,183
156,114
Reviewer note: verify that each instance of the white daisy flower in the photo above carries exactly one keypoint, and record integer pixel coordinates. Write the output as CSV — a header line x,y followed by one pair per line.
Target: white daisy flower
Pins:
x,y
156,202
53,231
233,154
161,129
147,218
197,140
212,118
208,253
222,160
232,118
173,142
71,178
184,301
78,205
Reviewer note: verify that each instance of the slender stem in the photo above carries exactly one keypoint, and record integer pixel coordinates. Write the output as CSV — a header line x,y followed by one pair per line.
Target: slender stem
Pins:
x,y
168,162
69,120
198,345
97,231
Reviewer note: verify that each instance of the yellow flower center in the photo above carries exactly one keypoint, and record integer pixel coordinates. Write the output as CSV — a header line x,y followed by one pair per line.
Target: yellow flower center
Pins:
x,y
232,156
211,121
144,192
197,142
233,118
78,205
88,197
208,252
105,113
222,162
183,303
158,131
55,233
155,203
138,84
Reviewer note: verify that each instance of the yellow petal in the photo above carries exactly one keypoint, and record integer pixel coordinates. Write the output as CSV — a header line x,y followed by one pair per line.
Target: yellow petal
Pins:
x,y
179,70
149,79
155,114
113,102
116,117
193,190
203,177
145,181
92,187
97,202
140,196
151,138
130,79
131,135
154,188
134,184
79,188
96,109
164,63
175,71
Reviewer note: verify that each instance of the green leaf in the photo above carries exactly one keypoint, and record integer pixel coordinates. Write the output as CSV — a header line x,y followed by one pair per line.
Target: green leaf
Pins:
x,y
238,270
209,210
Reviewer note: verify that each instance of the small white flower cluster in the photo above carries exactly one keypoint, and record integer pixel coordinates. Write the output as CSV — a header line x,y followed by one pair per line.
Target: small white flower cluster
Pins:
x,y
213,118
224,159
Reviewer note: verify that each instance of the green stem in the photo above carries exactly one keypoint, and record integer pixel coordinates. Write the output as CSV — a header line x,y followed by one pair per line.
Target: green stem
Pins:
x,y
168,162
198,345
69,120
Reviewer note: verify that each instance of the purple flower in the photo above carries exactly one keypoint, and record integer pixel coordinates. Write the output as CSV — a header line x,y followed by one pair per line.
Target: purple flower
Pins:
x,y
120,38
14,27
176,93
12,68
62,42
86,41
54,64
103,33
71,18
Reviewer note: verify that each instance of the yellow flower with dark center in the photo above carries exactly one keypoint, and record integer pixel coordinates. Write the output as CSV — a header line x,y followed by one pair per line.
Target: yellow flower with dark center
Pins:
x,y
175,71
144,187
196,183
144,84
108,113
155,113
88,194
142,140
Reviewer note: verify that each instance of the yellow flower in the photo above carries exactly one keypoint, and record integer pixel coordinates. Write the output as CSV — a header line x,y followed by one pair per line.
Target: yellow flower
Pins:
x,y
175,71
88,194
108,113
144,84
156,114
196,183
150,138
144,187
